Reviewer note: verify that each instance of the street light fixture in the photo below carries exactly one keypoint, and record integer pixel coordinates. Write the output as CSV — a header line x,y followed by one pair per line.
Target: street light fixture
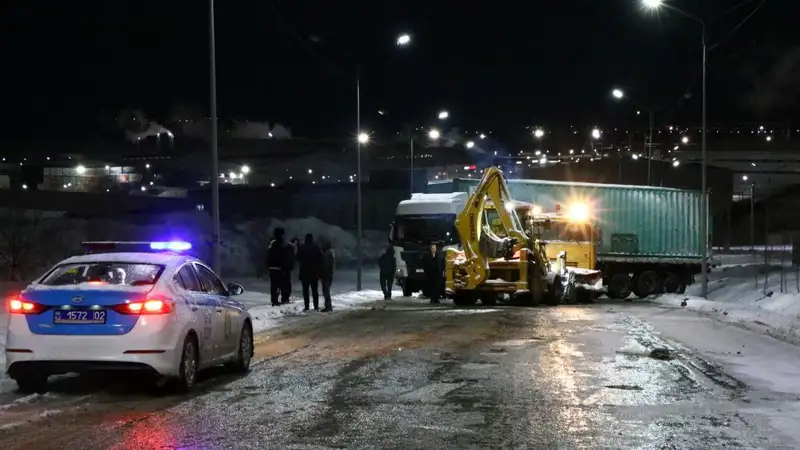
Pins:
x,y
403,39
363,138
470,144
245,169
443,115
538,133
619,94
434,134
595,133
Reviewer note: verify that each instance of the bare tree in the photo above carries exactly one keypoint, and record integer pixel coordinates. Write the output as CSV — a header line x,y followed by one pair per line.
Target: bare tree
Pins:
x,y
19,232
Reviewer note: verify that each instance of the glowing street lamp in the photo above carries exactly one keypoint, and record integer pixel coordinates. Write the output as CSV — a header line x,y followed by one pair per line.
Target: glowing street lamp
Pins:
x,y
470,144
443,115
652,4
538,133
595,133
685,139
80,170
245,169
403,39
618,94
363,138
434,134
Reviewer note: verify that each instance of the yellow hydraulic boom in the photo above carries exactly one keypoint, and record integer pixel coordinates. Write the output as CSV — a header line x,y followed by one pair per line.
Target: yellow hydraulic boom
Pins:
x,y
489,265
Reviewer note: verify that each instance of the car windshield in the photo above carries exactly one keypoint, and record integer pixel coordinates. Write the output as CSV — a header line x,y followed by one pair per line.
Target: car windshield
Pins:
x,y
423,229
561,231
103,272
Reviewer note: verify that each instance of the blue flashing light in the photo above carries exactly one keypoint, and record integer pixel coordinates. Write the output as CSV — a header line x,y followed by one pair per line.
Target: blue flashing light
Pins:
x,y
173,246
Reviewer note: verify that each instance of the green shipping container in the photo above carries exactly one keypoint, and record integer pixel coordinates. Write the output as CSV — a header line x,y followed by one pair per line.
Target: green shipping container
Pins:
x,y
633,221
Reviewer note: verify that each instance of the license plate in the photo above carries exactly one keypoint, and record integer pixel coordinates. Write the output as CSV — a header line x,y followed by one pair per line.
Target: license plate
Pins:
x,y
420,270
80,316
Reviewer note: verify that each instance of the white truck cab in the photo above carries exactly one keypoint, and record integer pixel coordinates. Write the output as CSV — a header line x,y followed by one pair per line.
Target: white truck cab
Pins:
x,y
419,221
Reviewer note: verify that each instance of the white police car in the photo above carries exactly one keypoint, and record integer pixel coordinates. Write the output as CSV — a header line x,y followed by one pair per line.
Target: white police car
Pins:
x,y
127,306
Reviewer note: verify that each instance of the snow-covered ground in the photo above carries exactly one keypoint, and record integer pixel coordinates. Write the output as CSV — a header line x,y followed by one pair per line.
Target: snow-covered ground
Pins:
x,y
755,296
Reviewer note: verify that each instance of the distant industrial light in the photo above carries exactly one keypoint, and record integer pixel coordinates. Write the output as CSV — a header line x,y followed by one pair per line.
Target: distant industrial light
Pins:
x,y
676,163
363,138
470,144
24,186
245,169
147,166
434,134
744,177
596,134
685,139
483,136
80,169
538,133
769,138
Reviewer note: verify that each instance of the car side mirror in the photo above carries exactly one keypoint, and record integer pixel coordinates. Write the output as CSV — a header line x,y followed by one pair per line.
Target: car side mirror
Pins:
x,y
235,289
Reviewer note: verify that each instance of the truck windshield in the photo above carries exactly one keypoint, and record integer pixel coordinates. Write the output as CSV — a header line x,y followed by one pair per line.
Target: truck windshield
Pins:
x,y
425,228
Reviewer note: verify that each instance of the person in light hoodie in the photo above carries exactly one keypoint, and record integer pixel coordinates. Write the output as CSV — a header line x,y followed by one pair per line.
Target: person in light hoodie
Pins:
x,y
326,274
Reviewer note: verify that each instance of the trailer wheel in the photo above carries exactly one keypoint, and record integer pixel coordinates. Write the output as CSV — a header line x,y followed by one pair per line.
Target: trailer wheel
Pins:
x,y
647,283
674,284
620,286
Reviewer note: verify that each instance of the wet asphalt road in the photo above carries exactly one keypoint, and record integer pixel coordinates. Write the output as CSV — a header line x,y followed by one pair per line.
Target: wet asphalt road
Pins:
x,y
420,376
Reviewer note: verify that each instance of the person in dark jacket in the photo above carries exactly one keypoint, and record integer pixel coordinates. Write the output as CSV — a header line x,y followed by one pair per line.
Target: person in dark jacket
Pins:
x,y
326,274
309,257
388,267
433,263
277,262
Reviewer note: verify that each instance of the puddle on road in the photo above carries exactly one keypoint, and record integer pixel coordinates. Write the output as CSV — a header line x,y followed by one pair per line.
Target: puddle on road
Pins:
x,y
520,342
625,387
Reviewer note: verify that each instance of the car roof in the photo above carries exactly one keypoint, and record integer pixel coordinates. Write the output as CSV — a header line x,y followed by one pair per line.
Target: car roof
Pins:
x,y
166,259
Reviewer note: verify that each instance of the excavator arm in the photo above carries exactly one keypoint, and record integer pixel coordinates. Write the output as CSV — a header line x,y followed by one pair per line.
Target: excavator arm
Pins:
x,y
470,224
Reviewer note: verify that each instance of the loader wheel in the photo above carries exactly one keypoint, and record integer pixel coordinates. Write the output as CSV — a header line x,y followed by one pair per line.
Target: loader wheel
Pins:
x,y
647,283
584,296
619,286
555,295
488,299
464,299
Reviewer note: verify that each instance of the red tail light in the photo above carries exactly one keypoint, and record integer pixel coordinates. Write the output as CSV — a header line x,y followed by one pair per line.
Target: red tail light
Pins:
x,y
19,305
153,305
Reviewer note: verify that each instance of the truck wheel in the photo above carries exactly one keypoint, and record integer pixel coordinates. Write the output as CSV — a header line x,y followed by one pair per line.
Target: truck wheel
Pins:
x,y
647,283
674,284
619,286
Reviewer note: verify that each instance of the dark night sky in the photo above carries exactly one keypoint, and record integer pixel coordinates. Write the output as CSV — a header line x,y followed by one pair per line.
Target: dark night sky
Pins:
x,y
499,65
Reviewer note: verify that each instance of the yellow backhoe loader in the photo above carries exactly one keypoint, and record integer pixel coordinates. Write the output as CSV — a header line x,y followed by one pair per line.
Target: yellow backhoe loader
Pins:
x,y
489,266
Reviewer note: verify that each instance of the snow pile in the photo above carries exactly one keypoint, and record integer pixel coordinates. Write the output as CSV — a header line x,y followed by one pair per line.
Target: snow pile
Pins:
x,y
266,316
737,294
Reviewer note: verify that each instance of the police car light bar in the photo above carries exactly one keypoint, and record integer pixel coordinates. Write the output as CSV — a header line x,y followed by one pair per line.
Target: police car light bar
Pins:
x,y
136,247
174,246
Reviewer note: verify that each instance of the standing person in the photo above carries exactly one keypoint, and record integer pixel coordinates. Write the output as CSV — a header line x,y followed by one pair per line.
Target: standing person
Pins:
x,y
388,267
309,257
286,276
276,264
434,272
326,274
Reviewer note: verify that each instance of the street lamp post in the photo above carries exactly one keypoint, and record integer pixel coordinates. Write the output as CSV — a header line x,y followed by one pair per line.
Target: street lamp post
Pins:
x,y
619,95
214,175
402,41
